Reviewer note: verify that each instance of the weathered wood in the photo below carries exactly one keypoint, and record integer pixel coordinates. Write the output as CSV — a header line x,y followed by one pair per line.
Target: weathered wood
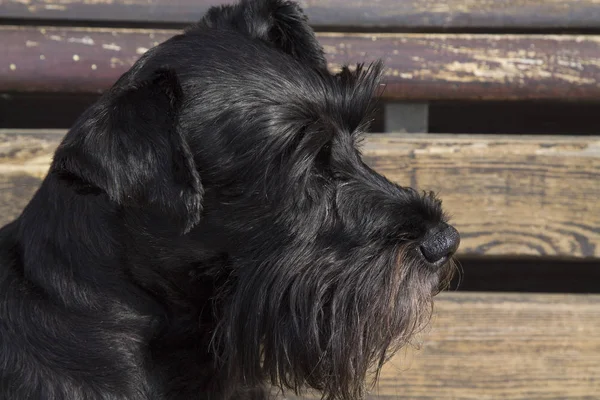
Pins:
x,y
484,346
15,191
24,160
418,66
389,14
507,195
29,153
70,60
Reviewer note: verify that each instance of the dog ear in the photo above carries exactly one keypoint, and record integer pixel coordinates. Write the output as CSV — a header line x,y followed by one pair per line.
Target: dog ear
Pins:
x,y
361,90
278,22
129,146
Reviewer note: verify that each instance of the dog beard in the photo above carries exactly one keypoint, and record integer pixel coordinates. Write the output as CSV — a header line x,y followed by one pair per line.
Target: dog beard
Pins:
x,y
328,324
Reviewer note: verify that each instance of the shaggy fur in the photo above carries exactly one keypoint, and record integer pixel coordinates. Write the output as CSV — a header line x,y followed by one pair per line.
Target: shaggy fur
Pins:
x,y
208,229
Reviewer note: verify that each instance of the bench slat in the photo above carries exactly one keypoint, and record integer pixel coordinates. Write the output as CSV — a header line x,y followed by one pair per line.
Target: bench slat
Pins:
x,y
501,346
419,66
507,195
411,14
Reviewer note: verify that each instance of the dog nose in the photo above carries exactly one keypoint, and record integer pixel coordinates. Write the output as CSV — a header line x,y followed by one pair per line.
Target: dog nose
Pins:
x,y
440,243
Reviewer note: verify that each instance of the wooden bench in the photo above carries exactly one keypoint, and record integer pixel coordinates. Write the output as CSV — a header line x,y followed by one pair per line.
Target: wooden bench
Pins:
x,y
527,206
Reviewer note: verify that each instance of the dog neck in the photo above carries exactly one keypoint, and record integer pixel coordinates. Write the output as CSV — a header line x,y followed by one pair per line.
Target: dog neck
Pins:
x,y
71,246
81,248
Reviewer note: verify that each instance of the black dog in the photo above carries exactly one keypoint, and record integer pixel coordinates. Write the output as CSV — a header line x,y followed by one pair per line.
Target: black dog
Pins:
x,y
208,228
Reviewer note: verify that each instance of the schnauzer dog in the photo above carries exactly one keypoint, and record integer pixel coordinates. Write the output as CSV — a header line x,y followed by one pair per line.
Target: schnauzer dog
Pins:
x,y
208,230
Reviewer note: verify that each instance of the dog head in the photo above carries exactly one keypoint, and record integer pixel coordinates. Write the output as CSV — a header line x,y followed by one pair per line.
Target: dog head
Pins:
x,y
330,267
333,267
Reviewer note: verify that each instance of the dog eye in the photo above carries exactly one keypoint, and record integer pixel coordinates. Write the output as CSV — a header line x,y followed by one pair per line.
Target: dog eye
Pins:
x,y
323,158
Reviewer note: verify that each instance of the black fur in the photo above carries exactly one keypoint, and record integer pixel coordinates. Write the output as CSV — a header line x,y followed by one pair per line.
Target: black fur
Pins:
x,y
208,229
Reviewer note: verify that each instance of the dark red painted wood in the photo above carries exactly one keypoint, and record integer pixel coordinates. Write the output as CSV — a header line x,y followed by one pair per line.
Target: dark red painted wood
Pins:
x,y
405,14
418,66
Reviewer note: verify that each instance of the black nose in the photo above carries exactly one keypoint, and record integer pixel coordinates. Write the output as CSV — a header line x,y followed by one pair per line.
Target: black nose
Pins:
x,y
440,243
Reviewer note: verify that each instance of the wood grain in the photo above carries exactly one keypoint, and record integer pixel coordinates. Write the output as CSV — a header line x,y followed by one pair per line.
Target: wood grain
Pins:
x,y
492,346
480,346
507,195
15,191
24,160
389,14
418,66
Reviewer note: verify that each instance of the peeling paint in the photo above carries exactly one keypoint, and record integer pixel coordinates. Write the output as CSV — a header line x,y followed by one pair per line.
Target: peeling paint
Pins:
x,y
511,66
75,57
55,7
13,67
114,62
575,80
111,46
83,40
570,64
534,65
594,62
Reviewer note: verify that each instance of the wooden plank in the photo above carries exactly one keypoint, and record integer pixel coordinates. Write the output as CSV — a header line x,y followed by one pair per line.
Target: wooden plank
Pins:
x,y
508,195
411,14
24,160
15,191
492,346
419,66
70,60
479,346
